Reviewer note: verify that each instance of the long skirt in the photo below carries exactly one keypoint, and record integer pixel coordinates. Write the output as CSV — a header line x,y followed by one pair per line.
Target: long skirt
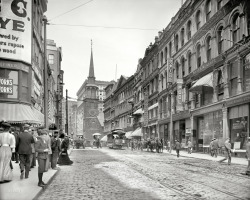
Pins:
x,y
64,159
5,159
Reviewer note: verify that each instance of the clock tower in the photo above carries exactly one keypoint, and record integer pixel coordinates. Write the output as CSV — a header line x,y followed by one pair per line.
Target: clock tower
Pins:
x,y
91,123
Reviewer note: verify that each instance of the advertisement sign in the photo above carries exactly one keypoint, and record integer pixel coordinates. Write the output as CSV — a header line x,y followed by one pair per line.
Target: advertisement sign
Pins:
x,y
15,30
179,105
6,86
170,70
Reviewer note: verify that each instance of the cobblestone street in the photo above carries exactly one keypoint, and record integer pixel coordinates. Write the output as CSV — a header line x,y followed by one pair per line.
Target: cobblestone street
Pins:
x,y
125,174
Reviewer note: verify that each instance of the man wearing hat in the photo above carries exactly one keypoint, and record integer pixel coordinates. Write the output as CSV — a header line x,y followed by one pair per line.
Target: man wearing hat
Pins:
x,y
216,146
24,141
248,156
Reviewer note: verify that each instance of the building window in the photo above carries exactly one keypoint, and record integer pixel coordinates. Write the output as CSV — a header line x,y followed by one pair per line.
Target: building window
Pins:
x,y
166,54
10,74
24,90
198,55
161,58
236,28
209,48
189,62
170,49
220,86
189,26
177,70
183,66
246,73
233,77
198,20
220,40
176,42
182,36
208,10
162,82
51,59
219,4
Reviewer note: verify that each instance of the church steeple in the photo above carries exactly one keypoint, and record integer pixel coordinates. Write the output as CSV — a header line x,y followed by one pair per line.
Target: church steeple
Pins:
x,y
91,77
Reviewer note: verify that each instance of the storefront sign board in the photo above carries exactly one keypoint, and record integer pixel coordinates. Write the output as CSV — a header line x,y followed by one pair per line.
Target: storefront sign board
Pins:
x,y
6,86
15,30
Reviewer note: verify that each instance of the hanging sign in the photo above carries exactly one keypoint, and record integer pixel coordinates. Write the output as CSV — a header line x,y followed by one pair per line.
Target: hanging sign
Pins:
x,y
15,30
6,86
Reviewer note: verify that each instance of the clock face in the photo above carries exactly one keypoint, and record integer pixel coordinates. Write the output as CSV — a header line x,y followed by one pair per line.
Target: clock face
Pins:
x,y
93,112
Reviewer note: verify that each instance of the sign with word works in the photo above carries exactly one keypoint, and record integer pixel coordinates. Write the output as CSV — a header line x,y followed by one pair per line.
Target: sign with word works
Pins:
x,y
179,105
6,86
15,30
170,70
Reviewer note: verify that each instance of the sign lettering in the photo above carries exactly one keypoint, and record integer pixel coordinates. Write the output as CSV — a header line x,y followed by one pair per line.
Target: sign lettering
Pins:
x,y
6,86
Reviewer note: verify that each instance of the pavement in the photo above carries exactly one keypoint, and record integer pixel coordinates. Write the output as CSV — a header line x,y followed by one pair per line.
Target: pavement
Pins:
x,y
25,189
234,160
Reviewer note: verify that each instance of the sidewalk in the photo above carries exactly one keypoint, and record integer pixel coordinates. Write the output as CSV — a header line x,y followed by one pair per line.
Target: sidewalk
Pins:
x,y
235,160
25,189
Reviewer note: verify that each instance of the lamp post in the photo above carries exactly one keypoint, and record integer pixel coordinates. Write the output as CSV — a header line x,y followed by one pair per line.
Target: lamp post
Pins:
x,y
46,121
67,117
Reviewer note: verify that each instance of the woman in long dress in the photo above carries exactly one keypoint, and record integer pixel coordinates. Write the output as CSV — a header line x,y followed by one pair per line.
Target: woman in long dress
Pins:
x,y
64,157
7,143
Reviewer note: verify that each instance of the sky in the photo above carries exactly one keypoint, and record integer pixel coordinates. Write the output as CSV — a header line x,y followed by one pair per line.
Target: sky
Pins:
x,y
115,47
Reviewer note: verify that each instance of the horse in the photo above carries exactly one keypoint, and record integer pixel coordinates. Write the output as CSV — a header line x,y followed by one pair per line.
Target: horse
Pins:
x,y
159,146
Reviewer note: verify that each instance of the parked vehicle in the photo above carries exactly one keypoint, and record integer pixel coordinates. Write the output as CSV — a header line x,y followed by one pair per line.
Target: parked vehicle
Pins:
x,y
116,139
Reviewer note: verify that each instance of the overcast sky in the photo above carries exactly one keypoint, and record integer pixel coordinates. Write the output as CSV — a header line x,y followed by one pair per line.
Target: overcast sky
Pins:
x,y
111,46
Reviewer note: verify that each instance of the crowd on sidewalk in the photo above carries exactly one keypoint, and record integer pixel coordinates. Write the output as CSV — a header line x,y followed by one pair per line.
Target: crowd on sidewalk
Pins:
x,y
31,146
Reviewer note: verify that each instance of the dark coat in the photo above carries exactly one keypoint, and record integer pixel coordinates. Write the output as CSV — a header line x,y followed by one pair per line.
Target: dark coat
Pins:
x,y
40,146
23,143
178,145
55,145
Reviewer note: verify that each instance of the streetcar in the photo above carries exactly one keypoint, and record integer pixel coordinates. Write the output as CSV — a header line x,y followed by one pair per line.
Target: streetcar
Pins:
x,y
116,139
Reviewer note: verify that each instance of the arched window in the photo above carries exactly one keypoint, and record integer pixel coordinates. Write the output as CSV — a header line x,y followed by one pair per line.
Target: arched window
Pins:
x,y
183,66
166,54
220,85
198,55
208,48
162,82
161,58
208,10
182,36
220,39
236,28
177,70
189,62
189,26
198,19
170,49
176,42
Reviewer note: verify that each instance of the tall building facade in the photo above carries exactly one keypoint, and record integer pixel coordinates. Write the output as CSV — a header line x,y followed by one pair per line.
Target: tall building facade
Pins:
x,y
194,80
90,97
22,63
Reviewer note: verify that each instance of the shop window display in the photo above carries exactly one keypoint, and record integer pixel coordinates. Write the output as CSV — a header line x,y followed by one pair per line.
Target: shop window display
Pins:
x,y
10,74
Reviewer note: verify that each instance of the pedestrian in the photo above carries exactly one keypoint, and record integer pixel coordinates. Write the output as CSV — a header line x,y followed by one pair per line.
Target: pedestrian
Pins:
x,y
64,157
33,155
177,148
14,153
48,140
216,147
56,148
211,148
248,156
227,146
24,141
7,145
168,146
190,146
42,149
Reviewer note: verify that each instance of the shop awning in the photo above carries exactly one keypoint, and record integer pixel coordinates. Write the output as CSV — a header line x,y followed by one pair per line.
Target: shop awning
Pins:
x,y
153,106
137,133
20,113
104,138
205,81
128,134
139,112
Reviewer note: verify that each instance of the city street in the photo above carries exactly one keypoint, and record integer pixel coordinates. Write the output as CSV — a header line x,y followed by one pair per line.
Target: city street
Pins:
x,y
125,174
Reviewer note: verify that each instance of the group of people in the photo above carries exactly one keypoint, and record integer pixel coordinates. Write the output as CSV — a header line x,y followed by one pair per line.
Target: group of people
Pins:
x,y
30,146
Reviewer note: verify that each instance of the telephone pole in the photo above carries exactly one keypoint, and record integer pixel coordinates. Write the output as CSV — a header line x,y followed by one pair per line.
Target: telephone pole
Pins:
x,y
46,121
67,116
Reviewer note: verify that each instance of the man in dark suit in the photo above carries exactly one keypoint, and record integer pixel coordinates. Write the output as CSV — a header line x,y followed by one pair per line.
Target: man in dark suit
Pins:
x,y
56,148
24,141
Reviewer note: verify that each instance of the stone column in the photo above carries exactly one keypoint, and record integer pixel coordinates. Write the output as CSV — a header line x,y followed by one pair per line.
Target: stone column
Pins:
x,y
225,119
240,67
186,98
193,100
215,86
173,102
225,78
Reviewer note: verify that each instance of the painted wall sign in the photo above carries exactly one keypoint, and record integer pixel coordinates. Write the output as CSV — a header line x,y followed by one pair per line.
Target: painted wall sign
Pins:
x,y
6,86
15,30
170,70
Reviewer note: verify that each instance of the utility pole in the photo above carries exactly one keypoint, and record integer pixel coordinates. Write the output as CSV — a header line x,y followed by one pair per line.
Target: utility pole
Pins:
x,y
171,122
46,121
67,117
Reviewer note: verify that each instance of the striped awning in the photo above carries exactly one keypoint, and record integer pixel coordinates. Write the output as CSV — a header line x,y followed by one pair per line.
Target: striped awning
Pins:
x,y
20,113
153,106
137,133
205,81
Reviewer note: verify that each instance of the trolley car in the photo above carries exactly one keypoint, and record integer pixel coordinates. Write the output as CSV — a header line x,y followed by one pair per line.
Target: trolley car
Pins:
x,y
116,139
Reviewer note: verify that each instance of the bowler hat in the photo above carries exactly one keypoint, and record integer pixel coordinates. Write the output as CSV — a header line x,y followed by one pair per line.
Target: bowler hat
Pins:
x,y
4,124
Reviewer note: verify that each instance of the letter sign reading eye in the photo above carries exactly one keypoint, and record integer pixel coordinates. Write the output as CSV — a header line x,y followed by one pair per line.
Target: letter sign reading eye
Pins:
x,y
19,7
